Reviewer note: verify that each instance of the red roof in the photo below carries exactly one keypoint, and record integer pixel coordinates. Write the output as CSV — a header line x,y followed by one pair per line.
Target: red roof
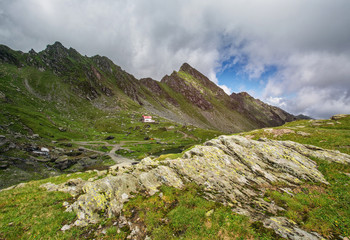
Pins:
x,y
146,116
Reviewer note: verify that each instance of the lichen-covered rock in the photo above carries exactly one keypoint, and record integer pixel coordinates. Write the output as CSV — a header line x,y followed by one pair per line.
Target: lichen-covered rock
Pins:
x,y
233,170
106,196
288,229
317,152
72,186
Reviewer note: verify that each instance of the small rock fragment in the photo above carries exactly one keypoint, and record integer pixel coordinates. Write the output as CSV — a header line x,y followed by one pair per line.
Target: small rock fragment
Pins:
x,y
66,227
44,149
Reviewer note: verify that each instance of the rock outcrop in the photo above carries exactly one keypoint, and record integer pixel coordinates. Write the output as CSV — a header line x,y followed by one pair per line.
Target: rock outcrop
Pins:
x,y
232,170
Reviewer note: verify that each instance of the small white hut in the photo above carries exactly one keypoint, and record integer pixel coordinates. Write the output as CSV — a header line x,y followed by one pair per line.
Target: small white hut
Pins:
x,y
147,119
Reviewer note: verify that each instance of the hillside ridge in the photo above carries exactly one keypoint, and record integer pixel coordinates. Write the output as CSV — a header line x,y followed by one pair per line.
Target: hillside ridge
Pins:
x,y
185,96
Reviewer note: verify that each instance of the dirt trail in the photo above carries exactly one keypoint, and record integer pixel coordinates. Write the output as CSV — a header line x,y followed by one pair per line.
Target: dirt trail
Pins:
x,y
119,160
187,136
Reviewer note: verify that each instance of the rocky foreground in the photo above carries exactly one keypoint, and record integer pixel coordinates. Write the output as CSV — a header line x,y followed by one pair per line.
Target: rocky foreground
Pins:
x,y
232,170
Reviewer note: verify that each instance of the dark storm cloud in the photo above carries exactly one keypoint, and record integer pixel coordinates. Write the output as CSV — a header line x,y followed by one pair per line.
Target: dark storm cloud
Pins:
x,y
307,41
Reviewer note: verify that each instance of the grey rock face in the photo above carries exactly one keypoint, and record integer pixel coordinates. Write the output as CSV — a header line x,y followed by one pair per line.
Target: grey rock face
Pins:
x,y
288,229
232,170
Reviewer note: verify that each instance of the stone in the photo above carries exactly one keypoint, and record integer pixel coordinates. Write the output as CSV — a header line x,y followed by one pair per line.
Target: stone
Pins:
x,y
289,230
94,156
304,134
339,116
101,173
81,149
20,185
66,227
80,223
62,162
4,164
72,186
2,96
73,153
44,149
278,132
35,136
109,138
50,186
317,152
61,129
93,179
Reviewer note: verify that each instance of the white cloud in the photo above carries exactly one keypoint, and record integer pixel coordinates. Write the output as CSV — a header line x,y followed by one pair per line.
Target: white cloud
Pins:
x,y
307,41
226,89
321,103
276,101
319,81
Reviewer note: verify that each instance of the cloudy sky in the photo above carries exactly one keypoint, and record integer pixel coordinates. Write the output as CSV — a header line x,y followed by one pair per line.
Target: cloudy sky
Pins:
x,y
293,53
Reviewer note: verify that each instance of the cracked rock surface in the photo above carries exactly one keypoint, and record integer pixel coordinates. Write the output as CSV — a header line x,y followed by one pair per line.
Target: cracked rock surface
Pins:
x,y
232,170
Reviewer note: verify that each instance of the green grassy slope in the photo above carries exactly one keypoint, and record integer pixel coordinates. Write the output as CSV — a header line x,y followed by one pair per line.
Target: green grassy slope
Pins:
x,y
106,85
324,209
31,213
40,102
329,134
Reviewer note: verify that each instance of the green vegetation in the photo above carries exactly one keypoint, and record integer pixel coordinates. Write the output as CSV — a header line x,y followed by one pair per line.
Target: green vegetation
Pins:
x,y
321,208
328,134
67,108
30,212
184,214
57,109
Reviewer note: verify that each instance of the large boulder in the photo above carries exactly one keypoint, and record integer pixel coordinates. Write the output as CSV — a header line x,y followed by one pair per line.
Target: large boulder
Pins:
x,y
232,170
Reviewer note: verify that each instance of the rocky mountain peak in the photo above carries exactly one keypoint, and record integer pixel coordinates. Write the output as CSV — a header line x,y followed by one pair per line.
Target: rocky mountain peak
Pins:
x,y
206,82
244,94
104,63
152,85
192,94
57,44
186,67
56,47
58,52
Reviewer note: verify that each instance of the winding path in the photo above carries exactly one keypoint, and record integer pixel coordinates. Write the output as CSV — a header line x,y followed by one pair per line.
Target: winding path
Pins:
x,y
118,159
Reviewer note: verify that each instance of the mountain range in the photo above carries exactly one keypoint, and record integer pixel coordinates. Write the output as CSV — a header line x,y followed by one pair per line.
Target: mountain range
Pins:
x,y
76,162
71,81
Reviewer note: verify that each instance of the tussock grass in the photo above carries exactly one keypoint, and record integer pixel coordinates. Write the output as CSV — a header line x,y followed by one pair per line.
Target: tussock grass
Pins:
x,y
30,212
185,214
